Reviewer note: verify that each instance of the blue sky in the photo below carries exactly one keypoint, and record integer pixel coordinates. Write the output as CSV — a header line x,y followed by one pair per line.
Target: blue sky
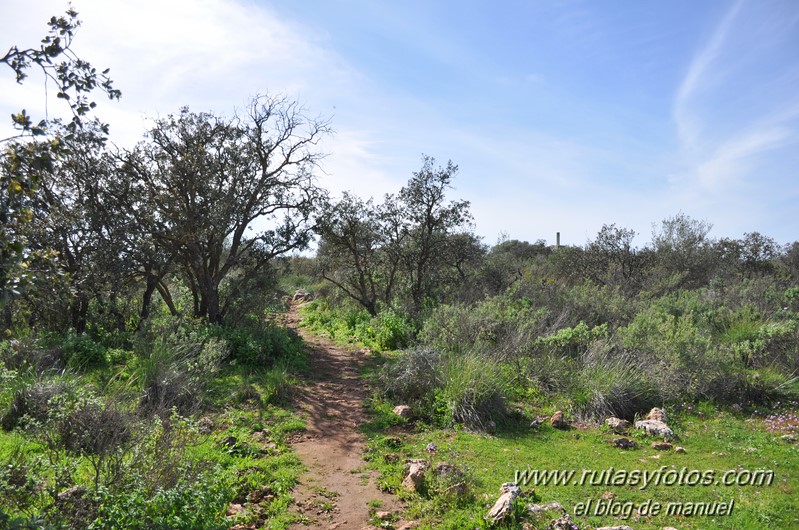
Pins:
x,y
562,115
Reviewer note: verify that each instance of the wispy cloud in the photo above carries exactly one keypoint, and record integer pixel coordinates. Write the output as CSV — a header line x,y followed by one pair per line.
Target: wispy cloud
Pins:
x,y
723,137
697,76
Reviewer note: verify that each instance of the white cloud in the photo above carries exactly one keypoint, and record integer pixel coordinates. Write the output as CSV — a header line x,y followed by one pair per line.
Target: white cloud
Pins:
x,y
687,123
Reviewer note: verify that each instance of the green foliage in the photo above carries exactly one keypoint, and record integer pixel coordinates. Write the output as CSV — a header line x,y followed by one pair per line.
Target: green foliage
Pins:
x,y
173,364
612,383
190,504
258,346
474,391
82,353
413,379
22,163
468,389
387,331
572,341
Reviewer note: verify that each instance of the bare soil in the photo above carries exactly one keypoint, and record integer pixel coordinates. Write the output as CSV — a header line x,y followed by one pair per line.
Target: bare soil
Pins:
x,y
336,490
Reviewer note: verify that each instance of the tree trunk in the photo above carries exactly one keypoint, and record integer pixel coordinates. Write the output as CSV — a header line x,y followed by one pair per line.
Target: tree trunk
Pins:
x,y
147,297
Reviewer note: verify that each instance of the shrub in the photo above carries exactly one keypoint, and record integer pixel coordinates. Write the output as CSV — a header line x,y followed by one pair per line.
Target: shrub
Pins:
x,y
500,328
174,365
196,503
92,428
473,390
389,331
258,345
412,379
572,341
28,355
82,353
613,383
33,401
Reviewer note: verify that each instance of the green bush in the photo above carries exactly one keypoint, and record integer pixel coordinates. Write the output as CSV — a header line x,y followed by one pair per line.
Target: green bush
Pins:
x,y
474,391
412,379
194,504
389,330
258,345
82,353
572,341
613,383
173,365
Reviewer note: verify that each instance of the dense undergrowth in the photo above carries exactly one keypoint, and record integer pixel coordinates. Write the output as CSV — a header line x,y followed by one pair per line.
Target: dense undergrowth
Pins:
x,y
587,349
483,374
160,427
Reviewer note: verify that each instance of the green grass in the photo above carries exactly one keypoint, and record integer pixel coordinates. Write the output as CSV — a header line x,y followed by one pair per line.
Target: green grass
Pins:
x,y
721,442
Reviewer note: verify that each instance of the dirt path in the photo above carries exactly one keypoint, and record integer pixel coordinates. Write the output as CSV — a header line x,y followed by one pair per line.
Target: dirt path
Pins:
x,y
335,492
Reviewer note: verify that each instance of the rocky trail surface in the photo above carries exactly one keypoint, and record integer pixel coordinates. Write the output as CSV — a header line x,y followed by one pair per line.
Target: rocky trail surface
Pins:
x,y
336,491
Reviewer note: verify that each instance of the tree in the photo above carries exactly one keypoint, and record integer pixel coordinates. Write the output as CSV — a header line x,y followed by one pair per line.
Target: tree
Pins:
x,y
349,250
611,259
506,262
758,254
208,180
683,250
68,220
408,250
22,163
430,221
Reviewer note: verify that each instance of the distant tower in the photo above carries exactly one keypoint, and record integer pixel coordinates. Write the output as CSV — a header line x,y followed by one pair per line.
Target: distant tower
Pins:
x,y
557,240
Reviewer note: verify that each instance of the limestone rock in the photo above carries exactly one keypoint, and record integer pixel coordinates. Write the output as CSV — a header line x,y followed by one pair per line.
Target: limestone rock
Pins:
x,y
655,428
679,449
445,469
617,425
548,507
301,296
624,443
205,425
456,490
403,411
563,522
508,493
657,415
415,470
558,420
383,516
662,446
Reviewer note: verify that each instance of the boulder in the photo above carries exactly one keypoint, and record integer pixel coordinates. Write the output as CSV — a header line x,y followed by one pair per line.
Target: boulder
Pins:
x,y
657,414
624,443
415,471
508,493
558,420
403,411
662,446
617,425
655,428
301,296
679,450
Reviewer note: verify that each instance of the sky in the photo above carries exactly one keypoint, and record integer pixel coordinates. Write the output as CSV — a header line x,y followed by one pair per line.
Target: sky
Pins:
x,y
562,115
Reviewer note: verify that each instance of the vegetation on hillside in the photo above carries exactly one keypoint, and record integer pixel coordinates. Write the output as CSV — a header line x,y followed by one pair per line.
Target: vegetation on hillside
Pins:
x,y
144,375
